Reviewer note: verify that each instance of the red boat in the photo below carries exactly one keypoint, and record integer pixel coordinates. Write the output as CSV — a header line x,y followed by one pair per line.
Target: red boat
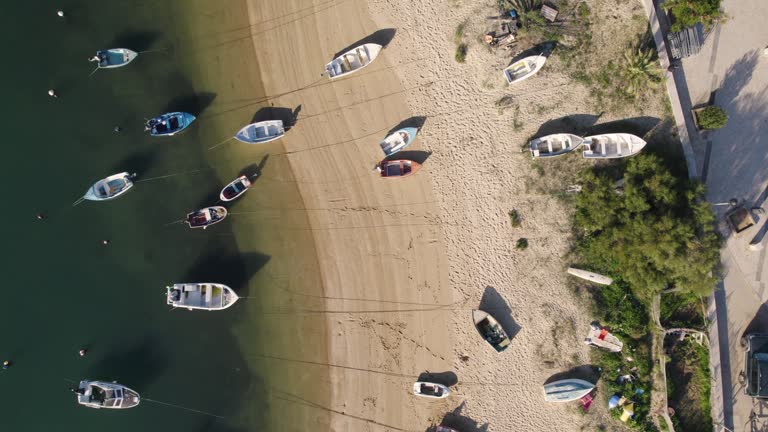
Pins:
x,y
397,168
203,218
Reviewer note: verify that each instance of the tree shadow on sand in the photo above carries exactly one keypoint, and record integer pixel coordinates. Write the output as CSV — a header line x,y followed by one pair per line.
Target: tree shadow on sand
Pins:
x,y
381,37
414,122
544,49
447,378
456,420
419,156
585,372
135,40
493,303
136,366
287,115
194,103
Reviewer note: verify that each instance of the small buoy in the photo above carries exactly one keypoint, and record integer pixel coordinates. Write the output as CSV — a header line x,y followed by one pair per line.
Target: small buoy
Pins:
x,y
39,216
52,93
60,13
105,242
82,352
117,129
6,364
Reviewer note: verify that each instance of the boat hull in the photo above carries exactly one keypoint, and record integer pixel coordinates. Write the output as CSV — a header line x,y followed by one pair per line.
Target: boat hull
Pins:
x,y
335,69
419,390
245,184
175,296
125,56
523,69
92,194
398,141
589,276
398,168
612,146
554,145
567,390
483,323
105,395
261,132
184,120
194,220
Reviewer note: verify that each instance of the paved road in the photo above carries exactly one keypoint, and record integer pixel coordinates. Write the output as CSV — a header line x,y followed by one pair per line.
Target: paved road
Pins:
x,y
732,70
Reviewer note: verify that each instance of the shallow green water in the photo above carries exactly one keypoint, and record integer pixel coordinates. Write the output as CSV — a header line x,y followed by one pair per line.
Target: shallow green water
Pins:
x,y
63,289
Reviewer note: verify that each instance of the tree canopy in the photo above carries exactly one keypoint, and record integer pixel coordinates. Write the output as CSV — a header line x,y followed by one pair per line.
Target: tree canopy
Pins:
x,y
687,13
654,235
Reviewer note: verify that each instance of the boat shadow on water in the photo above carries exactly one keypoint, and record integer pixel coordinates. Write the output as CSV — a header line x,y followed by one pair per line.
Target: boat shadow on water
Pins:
x,y
223,263
139,163
138,366
380,37
135,40
493,303
255,170
287,115
193,103
456,420
588,373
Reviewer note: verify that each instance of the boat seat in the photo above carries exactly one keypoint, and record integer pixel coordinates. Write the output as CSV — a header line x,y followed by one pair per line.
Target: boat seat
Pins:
x,y
208,294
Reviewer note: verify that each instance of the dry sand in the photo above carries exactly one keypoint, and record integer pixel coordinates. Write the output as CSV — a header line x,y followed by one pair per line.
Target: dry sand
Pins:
x,y
403,262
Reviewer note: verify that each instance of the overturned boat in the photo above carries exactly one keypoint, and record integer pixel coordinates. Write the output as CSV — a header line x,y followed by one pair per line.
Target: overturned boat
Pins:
x,y
204,296
261,132
430,390
490,330
397,168
206,217
100,394
612,146
589,276
352,61
169,124
397,141
567,390
554,145
113,58
600,337
110,187
236,188
524,69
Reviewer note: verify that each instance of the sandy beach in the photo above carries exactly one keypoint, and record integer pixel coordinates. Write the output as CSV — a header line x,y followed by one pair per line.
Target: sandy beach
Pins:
x,y
404,262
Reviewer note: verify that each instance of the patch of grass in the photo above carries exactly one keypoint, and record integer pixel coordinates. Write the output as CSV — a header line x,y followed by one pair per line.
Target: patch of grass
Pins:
x,y
458,34
522,244
682,309
517,125
689,384
514,218
539,169
461,53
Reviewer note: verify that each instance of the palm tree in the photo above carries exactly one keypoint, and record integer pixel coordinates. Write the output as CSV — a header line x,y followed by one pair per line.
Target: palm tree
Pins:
x,y
639,71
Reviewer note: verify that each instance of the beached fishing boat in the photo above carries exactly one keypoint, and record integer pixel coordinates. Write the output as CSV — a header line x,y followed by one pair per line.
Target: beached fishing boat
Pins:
x,y
490,330
205,296
554,145
261,132
612,146
397,168
113,58
589,276
524,69
602,338
206,217
352,61
100,394
567,390
445,429
235,189
430,390
398,141
110,187
169,124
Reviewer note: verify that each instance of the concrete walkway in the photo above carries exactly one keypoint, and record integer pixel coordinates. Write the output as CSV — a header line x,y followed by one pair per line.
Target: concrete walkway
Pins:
x,y
731,71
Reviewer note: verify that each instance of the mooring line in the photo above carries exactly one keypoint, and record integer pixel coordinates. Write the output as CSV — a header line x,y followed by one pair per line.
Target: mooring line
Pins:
x,y
172,175
182,407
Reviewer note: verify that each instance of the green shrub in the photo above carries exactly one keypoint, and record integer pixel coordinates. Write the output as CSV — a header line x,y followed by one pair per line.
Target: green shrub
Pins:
x,y
687,13
521,244
461,53
514,218
712,117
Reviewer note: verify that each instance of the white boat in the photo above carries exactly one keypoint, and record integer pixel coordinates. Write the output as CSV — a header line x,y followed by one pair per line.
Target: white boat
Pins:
x,y
602,338
592,277
236,188
114,58
430,390
398,140
554,145
206,217
110,187
261,132
204,296
567,390
490,330
524,69
612,146
352,61
100,394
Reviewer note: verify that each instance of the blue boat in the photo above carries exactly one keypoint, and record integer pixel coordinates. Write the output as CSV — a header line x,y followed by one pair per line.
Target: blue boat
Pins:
x,y
398,141
169,124
114,58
